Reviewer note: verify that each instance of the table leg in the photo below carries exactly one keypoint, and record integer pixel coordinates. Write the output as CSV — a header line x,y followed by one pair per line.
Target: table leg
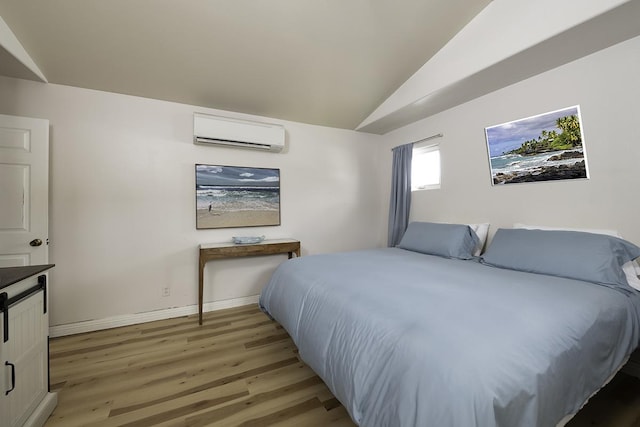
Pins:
x,y
200,290
297,252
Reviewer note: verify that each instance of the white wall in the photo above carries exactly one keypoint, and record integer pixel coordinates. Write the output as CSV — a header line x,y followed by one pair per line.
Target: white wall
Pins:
x,y
122,202
122,217
606,87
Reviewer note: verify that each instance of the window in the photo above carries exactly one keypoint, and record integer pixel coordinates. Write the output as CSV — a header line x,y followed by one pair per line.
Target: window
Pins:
x,y
425,168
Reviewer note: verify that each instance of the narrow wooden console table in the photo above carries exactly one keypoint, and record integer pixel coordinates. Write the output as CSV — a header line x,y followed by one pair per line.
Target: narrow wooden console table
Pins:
x,y
212,251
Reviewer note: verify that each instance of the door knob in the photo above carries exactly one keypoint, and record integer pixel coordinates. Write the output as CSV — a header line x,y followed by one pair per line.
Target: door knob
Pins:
x,y
35,242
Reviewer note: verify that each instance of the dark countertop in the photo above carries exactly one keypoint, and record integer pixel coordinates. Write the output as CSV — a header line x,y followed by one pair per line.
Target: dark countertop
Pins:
x,y
11,275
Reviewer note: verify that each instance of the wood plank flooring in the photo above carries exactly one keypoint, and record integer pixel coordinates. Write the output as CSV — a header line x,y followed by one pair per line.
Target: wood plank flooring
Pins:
x,y
238,369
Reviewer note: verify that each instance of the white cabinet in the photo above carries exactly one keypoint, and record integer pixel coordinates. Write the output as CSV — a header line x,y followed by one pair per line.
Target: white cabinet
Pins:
x,y
25,399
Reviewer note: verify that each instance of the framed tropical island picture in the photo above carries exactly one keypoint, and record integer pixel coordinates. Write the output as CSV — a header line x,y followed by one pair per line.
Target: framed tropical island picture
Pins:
x,y
236,196
545,147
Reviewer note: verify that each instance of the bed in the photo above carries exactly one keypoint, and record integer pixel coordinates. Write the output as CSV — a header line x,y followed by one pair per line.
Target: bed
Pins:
x,y
408,338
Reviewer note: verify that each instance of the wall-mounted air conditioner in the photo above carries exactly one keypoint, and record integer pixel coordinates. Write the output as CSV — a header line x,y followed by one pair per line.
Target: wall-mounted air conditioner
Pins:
x,y
216,130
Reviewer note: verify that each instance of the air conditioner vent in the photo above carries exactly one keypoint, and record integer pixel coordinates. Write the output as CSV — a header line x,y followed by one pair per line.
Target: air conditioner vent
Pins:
x,y
217,130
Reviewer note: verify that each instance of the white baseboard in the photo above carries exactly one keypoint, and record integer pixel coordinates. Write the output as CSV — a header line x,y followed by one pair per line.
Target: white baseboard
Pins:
x,y
39,416
149,316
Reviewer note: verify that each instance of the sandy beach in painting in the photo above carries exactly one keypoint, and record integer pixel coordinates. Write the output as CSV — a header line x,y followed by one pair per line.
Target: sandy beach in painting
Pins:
x,y
245,218
232,196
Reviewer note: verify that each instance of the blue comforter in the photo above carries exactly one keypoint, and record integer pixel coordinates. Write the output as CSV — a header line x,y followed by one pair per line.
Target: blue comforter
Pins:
x,y
406,339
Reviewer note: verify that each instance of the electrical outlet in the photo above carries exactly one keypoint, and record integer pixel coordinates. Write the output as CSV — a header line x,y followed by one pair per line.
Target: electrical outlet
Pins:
x,y
166,291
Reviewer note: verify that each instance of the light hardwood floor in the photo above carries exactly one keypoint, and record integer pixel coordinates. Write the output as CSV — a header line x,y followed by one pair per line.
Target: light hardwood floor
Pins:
x,y
239,368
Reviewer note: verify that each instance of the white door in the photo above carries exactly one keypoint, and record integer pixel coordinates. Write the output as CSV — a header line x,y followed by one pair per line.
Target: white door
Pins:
x,y
24,191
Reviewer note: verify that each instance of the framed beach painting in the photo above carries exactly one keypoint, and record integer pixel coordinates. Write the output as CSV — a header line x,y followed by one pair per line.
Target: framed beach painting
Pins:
x,y
545,147
234,196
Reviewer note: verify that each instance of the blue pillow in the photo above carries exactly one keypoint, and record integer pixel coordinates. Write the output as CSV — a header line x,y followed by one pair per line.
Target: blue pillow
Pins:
x,y
590,257
447,240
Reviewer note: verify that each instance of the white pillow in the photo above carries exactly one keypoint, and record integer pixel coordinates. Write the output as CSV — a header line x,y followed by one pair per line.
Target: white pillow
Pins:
x,y
481,230
630,268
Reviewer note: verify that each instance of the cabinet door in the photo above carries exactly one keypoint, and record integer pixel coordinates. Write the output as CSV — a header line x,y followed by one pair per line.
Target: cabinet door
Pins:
x,y
26,349
5,374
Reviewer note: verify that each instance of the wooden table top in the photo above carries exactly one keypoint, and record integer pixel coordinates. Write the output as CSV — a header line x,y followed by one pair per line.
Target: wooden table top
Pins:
x,y
231,244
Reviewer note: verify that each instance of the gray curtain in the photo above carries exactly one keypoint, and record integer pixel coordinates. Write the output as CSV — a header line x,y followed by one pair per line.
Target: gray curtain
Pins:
x,y
400,202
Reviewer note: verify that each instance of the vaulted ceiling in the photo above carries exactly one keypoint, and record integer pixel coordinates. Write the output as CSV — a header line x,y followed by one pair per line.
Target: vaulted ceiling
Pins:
x,y
325,62
369,65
